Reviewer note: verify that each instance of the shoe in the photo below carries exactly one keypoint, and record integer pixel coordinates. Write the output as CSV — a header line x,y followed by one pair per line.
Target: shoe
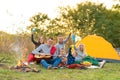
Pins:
x,y
54,67
49,67
102,63
62,67
32,63
93,67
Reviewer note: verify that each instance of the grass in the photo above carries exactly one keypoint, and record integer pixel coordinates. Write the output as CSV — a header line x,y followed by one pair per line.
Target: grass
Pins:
x,y
110,71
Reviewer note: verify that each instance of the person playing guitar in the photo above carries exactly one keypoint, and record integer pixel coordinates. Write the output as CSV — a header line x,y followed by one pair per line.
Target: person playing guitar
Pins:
x,y
47,52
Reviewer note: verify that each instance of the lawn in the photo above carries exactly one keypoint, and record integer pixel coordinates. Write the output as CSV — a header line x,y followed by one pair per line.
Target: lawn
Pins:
x,y
111,71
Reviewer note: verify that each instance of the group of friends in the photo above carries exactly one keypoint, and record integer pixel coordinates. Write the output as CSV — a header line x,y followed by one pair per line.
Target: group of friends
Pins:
x,y
60,57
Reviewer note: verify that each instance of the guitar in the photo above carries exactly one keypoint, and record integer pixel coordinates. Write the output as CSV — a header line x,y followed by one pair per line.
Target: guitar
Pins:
x,y
39,57
47,56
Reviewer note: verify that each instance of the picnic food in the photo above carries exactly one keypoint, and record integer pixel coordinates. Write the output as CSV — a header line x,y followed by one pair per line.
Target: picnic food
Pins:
x,y
86,63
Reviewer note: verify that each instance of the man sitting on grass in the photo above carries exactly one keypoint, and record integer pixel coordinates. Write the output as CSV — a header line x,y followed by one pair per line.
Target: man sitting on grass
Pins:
x,y
46,50
60,48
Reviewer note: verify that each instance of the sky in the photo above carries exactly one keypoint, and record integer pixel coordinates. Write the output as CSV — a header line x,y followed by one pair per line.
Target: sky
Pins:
x,y
15,14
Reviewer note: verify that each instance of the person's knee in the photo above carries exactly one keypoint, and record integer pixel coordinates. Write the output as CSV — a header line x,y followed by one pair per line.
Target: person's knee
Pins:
x,y
31,57
42,61
59,59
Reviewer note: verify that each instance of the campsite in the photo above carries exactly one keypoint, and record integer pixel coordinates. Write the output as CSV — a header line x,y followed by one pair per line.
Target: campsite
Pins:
x,y
80,42
111,70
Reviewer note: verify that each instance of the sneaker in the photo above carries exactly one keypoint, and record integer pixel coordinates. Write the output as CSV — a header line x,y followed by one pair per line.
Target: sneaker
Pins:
x,y
93,67
49,67
54,67
102,63
32,63
62,67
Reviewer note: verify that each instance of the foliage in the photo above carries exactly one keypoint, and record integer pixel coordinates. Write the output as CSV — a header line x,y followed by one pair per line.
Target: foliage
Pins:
x,y
5,42
40,22
90,18
84,19
15,44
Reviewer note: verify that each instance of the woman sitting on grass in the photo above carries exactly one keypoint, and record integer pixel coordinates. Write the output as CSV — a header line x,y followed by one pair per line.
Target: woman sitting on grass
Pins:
x,y
80,53
81,56
31,56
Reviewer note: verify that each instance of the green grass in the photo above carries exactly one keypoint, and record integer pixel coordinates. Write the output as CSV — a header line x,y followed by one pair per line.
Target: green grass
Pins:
x,y
111,71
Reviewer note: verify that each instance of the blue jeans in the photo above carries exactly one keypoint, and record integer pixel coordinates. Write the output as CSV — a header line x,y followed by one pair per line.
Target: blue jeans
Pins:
x,y
54,62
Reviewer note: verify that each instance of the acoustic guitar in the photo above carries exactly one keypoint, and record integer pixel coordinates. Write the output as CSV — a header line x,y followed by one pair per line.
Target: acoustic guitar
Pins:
x,y
43,56
39,57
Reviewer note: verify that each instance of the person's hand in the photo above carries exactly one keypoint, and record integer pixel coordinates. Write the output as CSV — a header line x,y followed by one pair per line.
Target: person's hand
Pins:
x,y
42,54
70,33
32,32
59,55
72,46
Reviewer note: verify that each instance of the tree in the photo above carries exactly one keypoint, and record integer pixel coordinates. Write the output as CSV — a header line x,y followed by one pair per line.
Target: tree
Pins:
x,y
84,19
90,18
39,21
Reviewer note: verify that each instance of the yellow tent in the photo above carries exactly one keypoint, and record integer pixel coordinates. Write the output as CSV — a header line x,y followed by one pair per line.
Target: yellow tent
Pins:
x,y
98,47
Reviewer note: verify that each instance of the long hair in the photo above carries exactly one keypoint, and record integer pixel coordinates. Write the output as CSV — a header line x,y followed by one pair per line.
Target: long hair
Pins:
x,y
84,49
